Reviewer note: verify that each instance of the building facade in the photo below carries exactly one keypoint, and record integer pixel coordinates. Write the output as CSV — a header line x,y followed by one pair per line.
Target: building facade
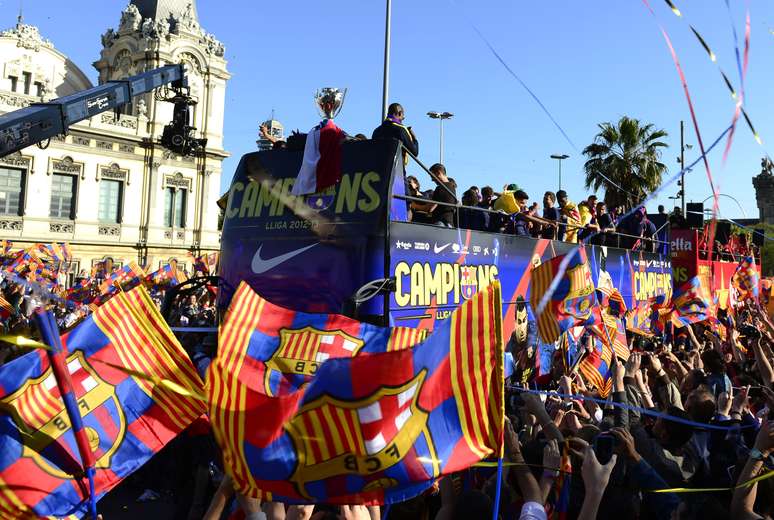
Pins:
x,y
108,187
764,191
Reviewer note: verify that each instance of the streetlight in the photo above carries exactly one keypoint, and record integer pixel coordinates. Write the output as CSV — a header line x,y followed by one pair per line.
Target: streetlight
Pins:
x,y
681,160
738,204
560,158
440,116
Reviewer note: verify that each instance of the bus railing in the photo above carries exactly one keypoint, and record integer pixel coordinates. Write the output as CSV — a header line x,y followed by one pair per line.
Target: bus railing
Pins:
x,y
605,234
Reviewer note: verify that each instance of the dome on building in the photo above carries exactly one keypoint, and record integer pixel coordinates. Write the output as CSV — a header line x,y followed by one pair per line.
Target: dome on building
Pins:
x,y
31,66
165,9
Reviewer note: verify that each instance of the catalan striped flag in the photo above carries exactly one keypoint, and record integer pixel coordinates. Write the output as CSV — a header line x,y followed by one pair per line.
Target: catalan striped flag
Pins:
x,y
691,304
746,279
5,247
126,418
6,306
614,334
595,367
572,304
373,426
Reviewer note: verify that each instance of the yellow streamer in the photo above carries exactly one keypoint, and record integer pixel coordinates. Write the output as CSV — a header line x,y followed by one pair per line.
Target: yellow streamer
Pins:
x,y
24,342
159,381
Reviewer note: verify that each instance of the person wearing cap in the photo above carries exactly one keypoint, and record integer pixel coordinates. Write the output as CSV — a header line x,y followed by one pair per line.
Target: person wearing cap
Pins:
x,y
506,202
570,217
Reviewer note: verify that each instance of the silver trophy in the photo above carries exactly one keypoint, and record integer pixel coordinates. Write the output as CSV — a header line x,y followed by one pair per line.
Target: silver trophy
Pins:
x,y
329,101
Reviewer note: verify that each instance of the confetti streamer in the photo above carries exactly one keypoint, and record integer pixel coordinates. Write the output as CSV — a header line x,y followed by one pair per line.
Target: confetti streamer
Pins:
x,y
715,202
673,8
537,99
706,47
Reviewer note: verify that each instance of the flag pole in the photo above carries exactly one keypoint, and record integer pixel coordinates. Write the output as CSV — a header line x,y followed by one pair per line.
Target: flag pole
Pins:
x,y
50,335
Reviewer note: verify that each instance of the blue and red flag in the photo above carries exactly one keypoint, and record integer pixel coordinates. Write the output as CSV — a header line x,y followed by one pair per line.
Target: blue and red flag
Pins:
x,y
561,494
126,418
573,302
691,304
746,279
367,428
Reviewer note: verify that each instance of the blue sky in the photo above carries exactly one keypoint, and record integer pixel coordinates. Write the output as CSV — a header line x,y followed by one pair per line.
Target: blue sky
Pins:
x,y
589,62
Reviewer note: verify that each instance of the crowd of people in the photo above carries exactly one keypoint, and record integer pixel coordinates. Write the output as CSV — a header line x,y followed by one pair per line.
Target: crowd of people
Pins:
x,y
692,411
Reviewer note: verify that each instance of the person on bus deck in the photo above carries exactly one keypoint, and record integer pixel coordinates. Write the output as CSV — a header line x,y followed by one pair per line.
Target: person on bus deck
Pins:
x,y
570,217
507,202
470,216
476,192
487,195
446,194
592,203
606,226
551,214
676,219
645,229
393,128
587,220
418,211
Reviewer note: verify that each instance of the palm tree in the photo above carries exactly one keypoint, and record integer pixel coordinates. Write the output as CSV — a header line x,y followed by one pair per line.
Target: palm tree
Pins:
x,y
624,159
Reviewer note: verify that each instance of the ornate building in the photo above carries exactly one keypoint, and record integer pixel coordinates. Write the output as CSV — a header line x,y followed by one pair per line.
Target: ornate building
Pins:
x,y
764,191
108,188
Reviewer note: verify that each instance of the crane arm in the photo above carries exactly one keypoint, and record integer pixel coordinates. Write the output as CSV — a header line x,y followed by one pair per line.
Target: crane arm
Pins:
x,y
40,121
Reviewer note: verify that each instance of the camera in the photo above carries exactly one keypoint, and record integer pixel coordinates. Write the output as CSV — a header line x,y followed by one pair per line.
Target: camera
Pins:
x,y
749,331
178,136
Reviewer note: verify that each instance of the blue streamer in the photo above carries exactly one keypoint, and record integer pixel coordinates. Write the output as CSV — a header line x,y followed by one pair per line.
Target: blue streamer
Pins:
x,y
643,411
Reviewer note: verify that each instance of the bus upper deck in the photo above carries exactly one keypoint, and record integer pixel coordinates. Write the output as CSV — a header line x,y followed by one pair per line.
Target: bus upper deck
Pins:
x,y
315,253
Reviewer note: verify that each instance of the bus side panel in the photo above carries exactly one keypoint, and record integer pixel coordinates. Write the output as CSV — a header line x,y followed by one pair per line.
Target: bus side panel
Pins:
x,y
436,269
307,253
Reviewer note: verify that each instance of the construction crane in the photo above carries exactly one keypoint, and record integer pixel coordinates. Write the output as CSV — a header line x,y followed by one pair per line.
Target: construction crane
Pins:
x,y
41,121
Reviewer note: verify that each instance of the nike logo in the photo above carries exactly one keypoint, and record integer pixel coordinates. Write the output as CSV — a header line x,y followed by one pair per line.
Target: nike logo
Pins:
x,y
437,249
261,265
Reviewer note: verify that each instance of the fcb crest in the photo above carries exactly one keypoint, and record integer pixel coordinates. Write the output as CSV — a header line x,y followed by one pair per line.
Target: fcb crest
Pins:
x,y
468,282
336,438
46,433
301,352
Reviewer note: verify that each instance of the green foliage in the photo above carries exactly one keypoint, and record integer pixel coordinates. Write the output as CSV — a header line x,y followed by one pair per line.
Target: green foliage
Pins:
x,y
627,153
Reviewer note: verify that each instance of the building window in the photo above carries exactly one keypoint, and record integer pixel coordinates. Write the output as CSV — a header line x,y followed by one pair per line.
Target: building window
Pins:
x,y
14,83
39,89
62,196
175,205
27,82
11,183
110,193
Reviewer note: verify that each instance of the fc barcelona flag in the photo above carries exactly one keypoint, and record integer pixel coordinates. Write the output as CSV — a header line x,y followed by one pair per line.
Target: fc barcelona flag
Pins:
x,y
746,279
691,304
367,428
595,367
573,303
638,319
126,418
